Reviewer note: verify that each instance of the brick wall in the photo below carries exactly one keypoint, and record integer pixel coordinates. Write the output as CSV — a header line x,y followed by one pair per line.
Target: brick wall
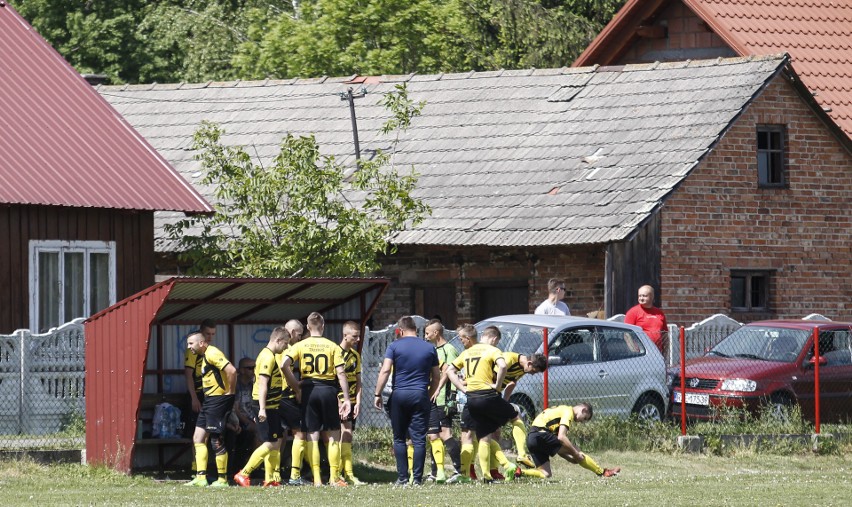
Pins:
x,y
582,268
719,220
687,37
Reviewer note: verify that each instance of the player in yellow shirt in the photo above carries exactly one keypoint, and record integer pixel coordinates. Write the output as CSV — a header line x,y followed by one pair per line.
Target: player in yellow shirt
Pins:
x,y
266,396
518,365
291,418
219,379
192,374
549,436
352,366
487,408
321,368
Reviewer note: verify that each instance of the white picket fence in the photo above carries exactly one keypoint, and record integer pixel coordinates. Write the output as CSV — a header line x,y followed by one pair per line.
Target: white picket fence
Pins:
x,y
42,380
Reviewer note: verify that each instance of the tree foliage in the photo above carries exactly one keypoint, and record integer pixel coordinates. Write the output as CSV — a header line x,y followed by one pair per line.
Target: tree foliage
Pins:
x,y
300,215
197,40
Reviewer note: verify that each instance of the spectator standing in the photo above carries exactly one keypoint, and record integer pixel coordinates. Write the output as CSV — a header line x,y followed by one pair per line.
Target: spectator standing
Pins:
x,y
219,378
650,318
554,305
414,363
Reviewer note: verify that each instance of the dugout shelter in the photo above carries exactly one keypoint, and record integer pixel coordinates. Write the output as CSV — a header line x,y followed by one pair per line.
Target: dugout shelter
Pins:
x,y
135,349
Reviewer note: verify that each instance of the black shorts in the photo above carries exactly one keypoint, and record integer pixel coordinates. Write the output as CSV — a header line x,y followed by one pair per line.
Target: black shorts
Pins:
x,y
213,413
542,445
291,414
319,407
270,429
467,422
489,411
439,417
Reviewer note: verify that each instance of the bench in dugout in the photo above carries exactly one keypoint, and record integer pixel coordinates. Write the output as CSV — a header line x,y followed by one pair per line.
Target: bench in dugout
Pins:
x,y
169,451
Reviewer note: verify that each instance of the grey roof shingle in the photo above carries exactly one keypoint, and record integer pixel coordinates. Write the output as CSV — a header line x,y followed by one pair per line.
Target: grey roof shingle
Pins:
x,y
510,158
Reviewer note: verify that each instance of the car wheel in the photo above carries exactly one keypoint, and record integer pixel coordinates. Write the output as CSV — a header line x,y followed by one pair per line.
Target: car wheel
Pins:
x,y
779,406
649,408
527,410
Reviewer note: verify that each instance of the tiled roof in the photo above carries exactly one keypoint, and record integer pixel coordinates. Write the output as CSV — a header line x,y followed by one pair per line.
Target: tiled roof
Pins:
x,y
62,144
508,158
816,33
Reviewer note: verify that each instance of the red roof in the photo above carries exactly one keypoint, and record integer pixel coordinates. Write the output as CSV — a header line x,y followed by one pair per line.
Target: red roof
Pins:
x,y
62,144
817,34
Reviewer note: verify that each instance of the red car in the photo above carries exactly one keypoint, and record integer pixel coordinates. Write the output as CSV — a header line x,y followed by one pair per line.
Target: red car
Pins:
x,y
771,362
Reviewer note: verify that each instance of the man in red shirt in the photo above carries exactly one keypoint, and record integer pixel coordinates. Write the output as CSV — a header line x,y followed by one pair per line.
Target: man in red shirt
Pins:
x,y
650,318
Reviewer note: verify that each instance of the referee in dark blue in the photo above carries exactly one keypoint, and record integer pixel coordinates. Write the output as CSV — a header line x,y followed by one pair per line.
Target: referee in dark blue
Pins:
x,y
414,363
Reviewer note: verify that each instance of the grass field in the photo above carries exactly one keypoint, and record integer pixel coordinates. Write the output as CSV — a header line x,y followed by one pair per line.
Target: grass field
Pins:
x,y
647,479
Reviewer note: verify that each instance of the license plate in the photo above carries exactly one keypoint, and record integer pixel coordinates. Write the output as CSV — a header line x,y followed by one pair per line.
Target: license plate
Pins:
x,y
693,398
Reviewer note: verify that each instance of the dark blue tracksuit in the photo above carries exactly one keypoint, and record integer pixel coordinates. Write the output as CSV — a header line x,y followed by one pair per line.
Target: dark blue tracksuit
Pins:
x,y
413,360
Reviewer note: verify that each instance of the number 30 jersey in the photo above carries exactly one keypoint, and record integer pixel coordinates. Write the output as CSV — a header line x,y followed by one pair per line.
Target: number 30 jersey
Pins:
x,y
318,357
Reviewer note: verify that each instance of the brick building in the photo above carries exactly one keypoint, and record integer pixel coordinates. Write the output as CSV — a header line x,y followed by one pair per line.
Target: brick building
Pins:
x,y
609,177
788,242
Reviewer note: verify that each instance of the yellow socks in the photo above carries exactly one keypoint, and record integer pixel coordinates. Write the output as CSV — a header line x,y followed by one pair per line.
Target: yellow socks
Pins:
x,y
312,453
200,459
346,459
498,454
438,455
222,465
333,461
484,454
589,464
466,459
533,472
272,466
519,435
296,458
257,457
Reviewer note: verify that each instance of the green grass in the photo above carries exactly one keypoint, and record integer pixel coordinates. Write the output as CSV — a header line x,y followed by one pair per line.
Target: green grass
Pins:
x,y
646,479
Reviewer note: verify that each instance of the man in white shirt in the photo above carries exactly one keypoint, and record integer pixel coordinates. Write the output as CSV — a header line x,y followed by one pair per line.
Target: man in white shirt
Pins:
x,y
554,305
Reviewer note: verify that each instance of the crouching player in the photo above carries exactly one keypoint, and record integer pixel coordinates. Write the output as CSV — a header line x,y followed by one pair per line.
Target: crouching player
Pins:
x,y
548,436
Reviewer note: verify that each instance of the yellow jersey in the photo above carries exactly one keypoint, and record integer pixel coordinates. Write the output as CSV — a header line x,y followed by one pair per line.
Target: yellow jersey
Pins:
x,y
554,417
267,366
352,367
213,363
318,358
478,362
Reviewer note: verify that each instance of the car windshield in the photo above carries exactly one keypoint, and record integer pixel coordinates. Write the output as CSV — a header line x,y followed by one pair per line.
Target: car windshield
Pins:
x,y
519,338
763,343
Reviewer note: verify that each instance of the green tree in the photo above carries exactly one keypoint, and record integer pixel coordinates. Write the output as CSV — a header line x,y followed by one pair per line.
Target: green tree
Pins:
x,y
300,215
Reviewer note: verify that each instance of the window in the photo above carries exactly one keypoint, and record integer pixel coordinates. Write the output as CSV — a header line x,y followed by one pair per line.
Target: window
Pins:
x,y
750,291
770,155
69,279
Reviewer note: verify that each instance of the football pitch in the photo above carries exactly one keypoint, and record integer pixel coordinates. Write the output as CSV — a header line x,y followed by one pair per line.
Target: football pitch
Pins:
x,y
646,479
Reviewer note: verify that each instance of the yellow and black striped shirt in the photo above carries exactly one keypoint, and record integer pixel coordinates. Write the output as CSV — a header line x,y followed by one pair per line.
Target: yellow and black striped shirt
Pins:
x,y
352,367
267,366
514,370
554,417
213,364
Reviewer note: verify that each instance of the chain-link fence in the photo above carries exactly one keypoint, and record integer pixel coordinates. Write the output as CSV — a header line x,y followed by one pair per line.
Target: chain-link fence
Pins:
x,y
42,392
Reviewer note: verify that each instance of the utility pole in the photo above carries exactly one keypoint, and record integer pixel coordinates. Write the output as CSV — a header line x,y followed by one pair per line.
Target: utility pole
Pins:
x,y
350,96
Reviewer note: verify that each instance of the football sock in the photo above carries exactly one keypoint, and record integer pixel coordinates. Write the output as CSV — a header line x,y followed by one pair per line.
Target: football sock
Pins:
x,y
589,464
273,466
519,434
296,456
498,454
346,459
222,465
466,459
454,451
333,461
533,472
312,453
200,459
484,453
438,455
256,458
410,453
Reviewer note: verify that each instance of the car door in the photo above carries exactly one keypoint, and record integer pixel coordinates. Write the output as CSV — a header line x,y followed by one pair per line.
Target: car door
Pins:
x,y
835,378
620,368
577,377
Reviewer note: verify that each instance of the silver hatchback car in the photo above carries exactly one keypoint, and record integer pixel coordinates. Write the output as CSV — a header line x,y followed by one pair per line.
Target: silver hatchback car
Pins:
x,y
611,365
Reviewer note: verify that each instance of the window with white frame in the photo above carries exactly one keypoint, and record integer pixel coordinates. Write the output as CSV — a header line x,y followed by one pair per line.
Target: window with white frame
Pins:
x,y
69,279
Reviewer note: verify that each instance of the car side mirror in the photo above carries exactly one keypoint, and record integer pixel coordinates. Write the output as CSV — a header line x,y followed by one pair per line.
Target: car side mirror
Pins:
x,y
822,361
555,361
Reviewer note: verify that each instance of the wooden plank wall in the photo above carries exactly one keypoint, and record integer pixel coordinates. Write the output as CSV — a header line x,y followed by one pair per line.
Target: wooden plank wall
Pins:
x,y
133,232
632,264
